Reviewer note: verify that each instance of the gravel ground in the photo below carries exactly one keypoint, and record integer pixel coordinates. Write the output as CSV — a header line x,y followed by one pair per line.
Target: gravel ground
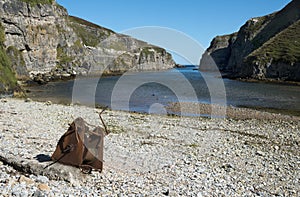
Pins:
x,y
151,155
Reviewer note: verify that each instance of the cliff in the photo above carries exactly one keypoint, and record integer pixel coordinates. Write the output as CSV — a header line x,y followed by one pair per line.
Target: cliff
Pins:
x,y
265,48
7,77
43,43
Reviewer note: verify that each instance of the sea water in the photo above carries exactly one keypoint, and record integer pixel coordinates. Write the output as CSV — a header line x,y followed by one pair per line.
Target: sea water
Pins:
x,y
151,91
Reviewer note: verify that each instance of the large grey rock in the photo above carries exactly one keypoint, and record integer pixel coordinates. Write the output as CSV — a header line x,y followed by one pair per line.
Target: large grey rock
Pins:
x,y
54,172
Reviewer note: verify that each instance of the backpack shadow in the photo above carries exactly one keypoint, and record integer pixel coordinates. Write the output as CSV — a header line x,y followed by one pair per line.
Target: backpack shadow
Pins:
x,y
43,158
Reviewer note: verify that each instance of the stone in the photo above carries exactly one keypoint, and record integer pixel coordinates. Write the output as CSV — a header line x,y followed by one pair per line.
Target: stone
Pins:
x,y
4,100
25,179
260,153
42,179
27,100
48,103
19,190
228,167
38,193
43,187
199,194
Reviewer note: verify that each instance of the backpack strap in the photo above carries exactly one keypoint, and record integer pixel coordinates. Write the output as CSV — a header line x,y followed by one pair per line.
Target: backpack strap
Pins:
x,y
67,150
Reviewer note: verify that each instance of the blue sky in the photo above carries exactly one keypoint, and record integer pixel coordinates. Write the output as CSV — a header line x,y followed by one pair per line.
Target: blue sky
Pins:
x,y
199,19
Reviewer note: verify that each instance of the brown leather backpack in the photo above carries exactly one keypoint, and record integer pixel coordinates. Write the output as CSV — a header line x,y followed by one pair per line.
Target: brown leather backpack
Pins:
x,y
81,147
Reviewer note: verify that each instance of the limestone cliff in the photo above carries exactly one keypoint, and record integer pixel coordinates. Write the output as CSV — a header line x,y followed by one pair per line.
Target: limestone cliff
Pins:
x,y
44,42
8,80
218,52
264,48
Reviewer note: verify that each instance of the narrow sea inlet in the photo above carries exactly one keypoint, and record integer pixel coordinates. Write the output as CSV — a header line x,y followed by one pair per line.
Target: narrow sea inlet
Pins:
x,y
151,92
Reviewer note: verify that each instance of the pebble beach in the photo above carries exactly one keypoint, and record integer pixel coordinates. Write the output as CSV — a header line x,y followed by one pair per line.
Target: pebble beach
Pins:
x,y
152,155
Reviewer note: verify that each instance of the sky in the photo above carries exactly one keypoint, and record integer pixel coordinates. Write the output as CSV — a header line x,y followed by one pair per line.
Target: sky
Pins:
x,y
201,20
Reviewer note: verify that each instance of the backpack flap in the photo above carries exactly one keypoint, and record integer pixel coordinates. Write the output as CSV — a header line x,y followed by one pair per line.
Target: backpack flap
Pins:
x,y
93,151
70,147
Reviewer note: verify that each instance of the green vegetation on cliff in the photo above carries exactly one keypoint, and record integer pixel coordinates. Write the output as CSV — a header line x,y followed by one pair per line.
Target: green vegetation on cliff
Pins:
x,y
63,57
7,77
18,64
284,47
90,33
256,27
35,2
8,80
147,51
265,48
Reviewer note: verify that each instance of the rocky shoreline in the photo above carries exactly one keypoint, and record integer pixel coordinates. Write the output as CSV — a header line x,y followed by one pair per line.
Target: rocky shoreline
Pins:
x,y
151,155
231,112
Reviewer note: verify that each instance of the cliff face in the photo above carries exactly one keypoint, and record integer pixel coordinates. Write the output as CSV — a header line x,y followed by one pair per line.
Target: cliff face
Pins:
x,y
264,48
8,80
219,52
44,42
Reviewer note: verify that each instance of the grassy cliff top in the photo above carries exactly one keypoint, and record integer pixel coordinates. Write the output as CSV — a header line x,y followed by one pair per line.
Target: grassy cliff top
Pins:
x,y
35,2
81,21
90,36
284,47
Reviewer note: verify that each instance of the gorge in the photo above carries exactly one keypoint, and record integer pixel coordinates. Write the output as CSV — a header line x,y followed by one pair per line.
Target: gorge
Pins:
x,y
41,42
